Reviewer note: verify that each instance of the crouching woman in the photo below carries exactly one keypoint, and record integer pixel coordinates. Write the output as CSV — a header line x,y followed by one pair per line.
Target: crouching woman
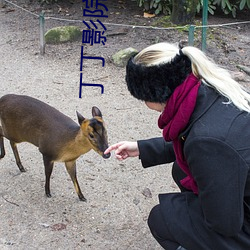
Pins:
x,y
205,120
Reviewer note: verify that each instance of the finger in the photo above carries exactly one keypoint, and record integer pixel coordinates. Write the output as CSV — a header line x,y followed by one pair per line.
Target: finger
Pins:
x,y
121,157
108,150
113,147
120,149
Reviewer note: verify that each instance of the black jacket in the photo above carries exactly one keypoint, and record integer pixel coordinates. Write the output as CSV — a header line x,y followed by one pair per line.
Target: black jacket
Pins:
x,y
216,145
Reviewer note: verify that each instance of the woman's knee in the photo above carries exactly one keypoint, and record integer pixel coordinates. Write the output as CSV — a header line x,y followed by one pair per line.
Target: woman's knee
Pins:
x,y
159,229
153,218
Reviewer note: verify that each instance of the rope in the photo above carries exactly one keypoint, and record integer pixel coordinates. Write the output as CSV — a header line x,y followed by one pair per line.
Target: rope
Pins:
x,y
221,25
19,7
116,24
151,27
128,25
62,19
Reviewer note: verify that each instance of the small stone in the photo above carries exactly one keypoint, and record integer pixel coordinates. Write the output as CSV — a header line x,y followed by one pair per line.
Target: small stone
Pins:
x,y
147,193
62,34
45,225
121,58
136,201
239,76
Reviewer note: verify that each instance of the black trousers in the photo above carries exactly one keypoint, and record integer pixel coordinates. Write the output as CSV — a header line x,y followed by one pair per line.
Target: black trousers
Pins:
x,y
179,221
156,222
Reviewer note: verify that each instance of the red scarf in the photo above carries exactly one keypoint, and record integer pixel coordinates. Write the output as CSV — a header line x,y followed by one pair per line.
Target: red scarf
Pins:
x,y
175,118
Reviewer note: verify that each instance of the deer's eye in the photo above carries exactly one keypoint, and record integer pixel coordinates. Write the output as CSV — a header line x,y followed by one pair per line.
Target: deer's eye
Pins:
x,y
91,136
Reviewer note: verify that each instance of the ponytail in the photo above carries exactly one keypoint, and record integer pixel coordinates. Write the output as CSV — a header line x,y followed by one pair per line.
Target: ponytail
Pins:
x,y
218,78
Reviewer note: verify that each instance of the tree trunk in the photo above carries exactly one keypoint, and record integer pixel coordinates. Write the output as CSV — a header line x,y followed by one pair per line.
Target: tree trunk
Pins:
x,y
183,11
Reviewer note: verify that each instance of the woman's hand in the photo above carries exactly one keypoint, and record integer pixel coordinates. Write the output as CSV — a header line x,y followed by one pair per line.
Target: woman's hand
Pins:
x,y
124,150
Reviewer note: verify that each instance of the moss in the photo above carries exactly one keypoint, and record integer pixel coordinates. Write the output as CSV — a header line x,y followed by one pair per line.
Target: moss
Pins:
x,y
63,34
163,22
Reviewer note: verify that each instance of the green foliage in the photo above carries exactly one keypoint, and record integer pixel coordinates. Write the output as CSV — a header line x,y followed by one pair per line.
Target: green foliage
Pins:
x,y
244,4
226,6
211,7
165,6
231,6
157,6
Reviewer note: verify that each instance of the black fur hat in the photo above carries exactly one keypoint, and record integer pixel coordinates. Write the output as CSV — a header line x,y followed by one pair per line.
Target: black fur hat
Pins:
x,y
156,83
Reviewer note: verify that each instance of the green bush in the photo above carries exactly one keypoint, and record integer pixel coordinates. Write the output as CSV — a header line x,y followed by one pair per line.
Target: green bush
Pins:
x,y
211,7
227,6
232,6
156,6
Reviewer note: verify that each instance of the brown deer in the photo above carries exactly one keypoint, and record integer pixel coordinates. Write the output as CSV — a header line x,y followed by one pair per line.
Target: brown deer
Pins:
x,y
59,139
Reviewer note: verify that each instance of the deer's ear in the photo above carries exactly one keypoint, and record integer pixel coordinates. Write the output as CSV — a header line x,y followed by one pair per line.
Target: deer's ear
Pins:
x,y
80,118
96,112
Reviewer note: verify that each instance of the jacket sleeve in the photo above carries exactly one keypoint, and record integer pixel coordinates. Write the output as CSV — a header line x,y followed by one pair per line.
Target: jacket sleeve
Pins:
x,y
155,151
220,173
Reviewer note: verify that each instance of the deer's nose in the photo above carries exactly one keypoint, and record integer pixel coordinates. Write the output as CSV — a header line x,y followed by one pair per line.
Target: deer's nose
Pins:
x,y
106,156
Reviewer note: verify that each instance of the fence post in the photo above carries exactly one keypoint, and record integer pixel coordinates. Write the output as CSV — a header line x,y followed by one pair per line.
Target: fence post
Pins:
x,y
204,24
42,31
2,3
191,35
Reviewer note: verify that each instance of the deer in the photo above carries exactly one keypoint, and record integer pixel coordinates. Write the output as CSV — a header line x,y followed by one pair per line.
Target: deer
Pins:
x,y
58,137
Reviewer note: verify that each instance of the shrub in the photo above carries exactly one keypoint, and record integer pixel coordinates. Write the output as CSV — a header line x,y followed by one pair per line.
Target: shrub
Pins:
x,y
165,6
156,6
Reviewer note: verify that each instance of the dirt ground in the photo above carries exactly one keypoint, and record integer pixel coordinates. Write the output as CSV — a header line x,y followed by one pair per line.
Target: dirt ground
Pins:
x,y
119,195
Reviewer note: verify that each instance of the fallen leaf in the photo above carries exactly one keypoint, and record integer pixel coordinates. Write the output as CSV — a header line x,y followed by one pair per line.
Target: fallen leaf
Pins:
x,y
147,15
58,227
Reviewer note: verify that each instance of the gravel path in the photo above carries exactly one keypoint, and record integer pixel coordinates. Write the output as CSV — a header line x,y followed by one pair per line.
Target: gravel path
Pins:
x,y
120,195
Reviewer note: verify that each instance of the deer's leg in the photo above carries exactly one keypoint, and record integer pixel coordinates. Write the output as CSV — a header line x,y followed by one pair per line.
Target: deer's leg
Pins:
x,y
1,144
71,168
18,161
48,165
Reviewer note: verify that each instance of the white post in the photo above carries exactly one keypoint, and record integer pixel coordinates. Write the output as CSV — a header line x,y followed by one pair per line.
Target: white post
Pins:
x,y
42,31
2,3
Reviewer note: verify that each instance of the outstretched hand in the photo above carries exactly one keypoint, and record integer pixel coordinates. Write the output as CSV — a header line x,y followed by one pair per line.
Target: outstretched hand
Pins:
x,y
124,150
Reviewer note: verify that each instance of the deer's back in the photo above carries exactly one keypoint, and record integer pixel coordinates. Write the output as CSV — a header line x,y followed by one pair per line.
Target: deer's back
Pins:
x,y
24,118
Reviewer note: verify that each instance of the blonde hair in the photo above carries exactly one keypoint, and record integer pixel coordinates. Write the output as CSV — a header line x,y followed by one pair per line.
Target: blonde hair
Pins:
x,y
202,67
